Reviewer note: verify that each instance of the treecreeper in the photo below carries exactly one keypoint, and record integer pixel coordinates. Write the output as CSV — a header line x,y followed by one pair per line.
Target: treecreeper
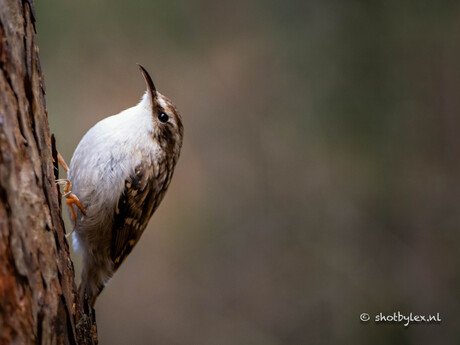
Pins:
x,y
118,175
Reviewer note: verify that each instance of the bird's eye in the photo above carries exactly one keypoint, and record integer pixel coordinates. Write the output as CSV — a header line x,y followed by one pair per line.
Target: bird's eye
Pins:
x,y
163,117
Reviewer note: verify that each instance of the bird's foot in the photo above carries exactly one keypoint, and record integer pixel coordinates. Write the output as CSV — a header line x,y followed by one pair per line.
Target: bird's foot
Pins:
x,y
61,161
71,198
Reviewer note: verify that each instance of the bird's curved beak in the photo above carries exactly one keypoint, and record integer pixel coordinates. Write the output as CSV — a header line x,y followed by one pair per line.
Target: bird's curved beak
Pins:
x,y
150,86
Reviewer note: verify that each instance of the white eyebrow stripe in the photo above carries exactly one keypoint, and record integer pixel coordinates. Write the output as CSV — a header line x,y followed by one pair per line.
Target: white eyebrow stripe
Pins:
x,y
162,102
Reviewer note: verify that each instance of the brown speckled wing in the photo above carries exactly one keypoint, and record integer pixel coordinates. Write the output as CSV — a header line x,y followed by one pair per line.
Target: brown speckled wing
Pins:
x,y
134,209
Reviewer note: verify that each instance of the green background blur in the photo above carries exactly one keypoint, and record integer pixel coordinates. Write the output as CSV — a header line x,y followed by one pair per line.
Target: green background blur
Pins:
x,y
319,173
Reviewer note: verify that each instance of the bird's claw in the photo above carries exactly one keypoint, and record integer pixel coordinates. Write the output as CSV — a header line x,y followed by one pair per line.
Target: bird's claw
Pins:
x,y
71,198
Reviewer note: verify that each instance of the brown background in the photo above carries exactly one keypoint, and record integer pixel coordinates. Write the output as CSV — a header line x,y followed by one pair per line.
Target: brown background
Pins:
x,y
319,174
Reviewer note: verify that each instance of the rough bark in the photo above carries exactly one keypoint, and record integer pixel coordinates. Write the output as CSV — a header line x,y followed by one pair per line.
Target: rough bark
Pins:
x,y
38,300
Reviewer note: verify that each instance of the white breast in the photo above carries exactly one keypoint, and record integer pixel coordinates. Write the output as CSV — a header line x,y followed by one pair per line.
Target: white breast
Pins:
x,y
108,154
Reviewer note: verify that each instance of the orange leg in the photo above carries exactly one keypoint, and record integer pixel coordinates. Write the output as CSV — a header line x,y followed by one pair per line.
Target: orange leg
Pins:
x,y
62,162
71,199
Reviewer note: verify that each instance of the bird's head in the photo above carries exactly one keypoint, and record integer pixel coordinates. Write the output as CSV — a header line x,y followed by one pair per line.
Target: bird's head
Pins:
x,y
167,123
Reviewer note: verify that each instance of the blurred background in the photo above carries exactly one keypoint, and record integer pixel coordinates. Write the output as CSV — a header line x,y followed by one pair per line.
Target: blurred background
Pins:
x,y
319,173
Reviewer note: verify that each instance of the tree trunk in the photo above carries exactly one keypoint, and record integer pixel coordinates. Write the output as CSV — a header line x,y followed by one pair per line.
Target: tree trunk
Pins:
x,y
38,300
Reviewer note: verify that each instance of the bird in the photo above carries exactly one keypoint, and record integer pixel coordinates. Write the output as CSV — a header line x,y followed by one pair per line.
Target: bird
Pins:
x,y
118,175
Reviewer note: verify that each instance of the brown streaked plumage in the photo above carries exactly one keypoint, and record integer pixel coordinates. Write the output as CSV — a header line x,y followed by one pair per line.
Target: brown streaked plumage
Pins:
x,y
120,172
